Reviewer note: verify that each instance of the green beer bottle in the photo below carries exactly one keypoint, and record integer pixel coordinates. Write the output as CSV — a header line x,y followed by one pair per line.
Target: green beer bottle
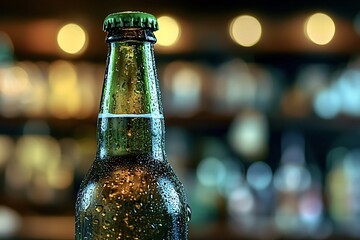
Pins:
x,y
131,191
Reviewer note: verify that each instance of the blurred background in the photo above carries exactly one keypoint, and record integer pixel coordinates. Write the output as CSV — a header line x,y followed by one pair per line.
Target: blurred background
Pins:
x,y
261,101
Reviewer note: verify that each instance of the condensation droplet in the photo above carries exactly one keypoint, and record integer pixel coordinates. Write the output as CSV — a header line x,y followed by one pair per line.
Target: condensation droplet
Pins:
x,y
99,208
188,213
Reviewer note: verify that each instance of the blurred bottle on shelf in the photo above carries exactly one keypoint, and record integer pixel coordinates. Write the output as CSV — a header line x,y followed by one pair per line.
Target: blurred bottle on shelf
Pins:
x,y
250,204
216,175
342,189
248,134
239,85
7,147
299,200
184,85
64,98
14,85
259,177
32,102
33,89
178,142
241,209
234,87
339,95
297,100
38,176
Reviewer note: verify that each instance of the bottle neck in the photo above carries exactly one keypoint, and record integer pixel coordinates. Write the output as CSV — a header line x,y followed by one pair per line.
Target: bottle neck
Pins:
x,y
130,118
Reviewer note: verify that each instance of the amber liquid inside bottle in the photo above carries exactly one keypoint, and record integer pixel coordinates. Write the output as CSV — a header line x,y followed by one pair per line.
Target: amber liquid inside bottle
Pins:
x,y
131,191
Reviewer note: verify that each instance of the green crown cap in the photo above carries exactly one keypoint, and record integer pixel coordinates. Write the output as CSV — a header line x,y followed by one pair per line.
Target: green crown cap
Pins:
x,y
130,19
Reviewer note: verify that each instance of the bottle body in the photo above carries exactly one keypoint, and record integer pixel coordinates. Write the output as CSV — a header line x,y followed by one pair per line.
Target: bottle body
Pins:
x,y
131,197
131,191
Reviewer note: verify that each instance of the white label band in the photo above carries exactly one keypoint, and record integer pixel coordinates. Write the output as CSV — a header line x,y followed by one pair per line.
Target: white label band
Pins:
x,y
125,115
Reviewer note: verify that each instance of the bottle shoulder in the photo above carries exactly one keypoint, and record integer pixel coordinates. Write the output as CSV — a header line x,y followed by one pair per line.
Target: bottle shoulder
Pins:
x,y
121,181
132,169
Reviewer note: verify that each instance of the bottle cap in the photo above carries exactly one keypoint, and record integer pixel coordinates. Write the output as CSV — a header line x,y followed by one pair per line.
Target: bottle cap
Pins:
x,y
130,19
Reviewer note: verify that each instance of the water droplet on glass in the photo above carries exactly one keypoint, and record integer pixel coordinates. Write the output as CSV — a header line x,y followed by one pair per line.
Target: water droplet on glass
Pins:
x,y
188,213
99,208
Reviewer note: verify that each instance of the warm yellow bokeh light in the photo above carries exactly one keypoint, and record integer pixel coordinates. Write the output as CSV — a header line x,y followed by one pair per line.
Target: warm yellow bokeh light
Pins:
x,y
320,28
169,31
64,98
245,30
72,38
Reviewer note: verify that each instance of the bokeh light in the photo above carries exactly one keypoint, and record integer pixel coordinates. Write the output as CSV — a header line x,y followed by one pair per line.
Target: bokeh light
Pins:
x,y
72,38
169,31
183,84
248,134
320,28
211,172
10,222
64,99
245,30
259,175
